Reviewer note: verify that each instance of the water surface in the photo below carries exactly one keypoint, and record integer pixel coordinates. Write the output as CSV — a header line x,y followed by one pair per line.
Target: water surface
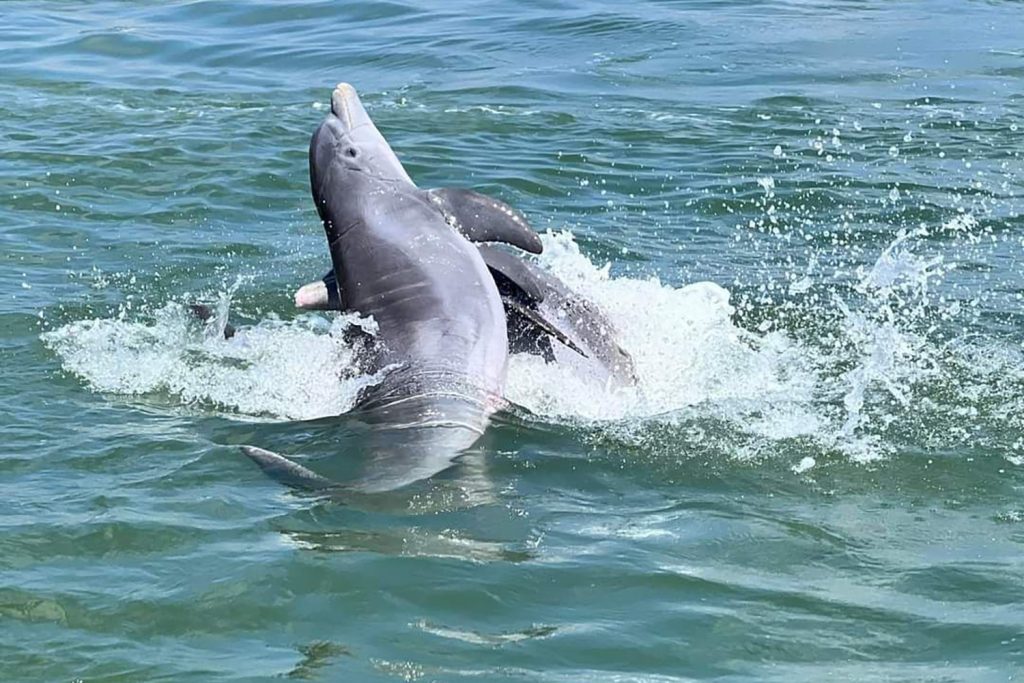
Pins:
x,y
805,217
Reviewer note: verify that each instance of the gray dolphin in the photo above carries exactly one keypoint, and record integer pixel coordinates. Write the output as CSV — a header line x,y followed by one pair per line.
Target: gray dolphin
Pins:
x,y
403,256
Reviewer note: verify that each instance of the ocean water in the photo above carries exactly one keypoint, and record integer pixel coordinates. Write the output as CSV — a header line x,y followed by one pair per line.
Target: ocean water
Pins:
x,y
805,217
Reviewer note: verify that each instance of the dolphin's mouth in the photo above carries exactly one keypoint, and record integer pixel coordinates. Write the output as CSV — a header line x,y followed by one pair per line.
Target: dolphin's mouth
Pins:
x,y
345,105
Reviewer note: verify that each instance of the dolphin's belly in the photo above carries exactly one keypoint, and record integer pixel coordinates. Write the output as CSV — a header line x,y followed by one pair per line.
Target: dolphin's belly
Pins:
x,y
435,304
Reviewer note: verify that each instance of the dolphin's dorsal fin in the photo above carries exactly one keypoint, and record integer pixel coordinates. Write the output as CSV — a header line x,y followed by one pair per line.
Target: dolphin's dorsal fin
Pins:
x,y
483,219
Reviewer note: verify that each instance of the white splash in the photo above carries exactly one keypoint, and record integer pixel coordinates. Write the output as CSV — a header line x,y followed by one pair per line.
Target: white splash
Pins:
x,y
298,369
687,351
693,361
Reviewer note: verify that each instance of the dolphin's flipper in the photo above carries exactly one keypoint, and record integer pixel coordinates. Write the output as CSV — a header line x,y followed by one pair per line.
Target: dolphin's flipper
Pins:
x,y
330,281
523,287
531,316
483,219
539,308
286,471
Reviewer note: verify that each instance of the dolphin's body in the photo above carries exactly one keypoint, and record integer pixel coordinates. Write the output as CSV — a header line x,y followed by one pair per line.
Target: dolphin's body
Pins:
x,y
403,256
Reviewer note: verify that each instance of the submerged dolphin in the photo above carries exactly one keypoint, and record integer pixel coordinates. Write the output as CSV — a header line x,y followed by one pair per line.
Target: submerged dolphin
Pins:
x,y
403,256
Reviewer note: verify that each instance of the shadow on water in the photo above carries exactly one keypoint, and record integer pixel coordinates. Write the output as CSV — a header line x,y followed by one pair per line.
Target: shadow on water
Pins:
x,y
460,513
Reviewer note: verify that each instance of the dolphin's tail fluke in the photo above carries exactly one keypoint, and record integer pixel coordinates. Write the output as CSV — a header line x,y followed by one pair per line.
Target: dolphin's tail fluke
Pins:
x,y
286,471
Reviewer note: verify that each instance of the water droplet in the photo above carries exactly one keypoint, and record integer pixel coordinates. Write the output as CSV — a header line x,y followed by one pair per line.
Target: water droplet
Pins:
x,y
894,151
777,151
804,465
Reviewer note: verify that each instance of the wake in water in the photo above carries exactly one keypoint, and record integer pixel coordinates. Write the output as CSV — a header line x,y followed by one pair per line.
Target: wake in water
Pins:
x,y
849,390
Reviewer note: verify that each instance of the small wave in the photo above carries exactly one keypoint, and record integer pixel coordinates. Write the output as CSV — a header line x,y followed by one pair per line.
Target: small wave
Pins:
x,y
498,110
487,639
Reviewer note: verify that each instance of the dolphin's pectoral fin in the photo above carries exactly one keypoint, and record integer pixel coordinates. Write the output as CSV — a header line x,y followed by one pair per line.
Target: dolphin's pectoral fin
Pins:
x,y
288,472
483,219
522,286
536,319
330,280
524,336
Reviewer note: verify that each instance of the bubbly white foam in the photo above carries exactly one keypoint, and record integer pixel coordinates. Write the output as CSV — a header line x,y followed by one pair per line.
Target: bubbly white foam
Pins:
x,y
297,369
686,348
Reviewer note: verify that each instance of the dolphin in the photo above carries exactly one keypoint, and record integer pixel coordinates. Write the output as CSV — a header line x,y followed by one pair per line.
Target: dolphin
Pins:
x,y
403,256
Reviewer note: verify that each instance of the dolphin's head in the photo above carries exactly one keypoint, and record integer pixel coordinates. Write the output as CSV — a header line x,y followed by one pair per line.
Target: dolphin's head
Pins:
x,y
347,155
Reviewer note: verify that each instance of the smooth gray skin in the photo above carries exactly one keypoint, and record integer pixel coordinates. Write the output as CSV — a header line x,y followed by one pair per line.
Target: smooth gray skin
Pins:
x,y
441,326
398,260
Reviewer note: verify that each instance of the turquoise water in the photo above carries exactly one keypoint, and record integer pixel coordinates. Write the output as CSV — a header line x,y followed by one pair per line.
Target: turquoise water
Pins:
x,y
805,217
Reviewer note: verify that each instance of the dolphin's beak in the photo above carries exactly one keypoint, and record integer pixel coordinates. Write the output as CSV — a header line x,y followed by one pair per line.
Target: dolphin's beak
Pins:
x,y
346,106
348,119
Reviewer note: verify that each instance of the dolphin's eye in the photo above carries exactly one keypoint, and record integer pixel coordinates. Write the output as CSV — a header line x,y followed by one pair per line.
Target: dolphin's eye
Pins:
x,y
351,152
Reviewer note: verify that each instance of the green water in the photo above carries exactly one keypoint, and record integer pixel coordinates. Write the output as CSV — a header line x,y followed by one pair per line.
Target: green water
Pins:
x,y
805,217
